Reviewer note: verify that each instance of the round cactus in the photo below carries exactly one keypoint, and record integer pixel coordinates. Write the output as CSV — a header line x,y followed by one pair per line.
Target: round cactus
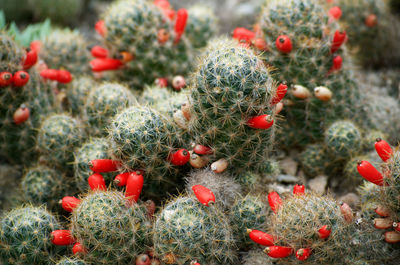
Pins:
x,y
186,230
58,136
163,99
343,139
315,159
230,87
43,185
71,261
66,49
78,92
111,229
201,25
25,236
102,103
257,257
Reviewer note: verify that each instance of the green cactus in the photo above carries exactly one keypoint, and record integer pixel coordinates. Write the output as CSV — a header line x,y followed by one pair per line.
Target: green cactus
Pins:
x,y
230,86
248,212
25,236
163,99
315,159
17,141
58,136
95,148
71,261
308,64
140,29
103,103
59,11
257,257
43,185
112,230
369,139
201,25
143,139
223,186
343,139
77,94
66,49
185,230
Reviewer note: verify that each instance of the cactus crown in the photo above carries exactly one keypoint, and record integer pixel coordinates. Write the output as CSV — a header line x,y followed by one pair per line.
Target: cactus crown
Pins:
x,y
11,54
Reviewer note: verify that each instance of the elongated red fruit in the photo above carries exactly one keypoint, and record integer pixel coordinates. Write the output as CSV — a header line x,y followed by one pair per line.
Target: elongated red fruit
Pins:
x,y
260,237
30,59
383,223
180,23
284,44
324,232
243,34
100,28
335,12
99,52
105,64
370,173
338,39
35,46
337,63
62,238
303,253
274,201
134,185
278,251
21,115
279,94
202,150
383,149
180,157
382,211
6,79
347,212
104,165
121,179
20,78
78,248
64,77
392,237
51,74
298,189
69,203
162,82
264,122
96,182
203,194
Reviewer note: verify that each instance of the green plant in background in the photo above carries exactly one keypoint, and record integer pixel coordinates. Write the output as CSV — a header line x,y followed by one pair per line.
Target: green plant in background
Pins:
x,y
201,25
77,93
343,139
25,236
59,11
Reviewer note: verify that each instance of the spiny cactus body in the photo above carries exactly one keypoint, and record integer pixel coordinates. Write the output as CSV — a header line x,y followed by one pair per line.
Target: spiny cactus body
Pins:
x,y
201,25
77,93
343,139
71,261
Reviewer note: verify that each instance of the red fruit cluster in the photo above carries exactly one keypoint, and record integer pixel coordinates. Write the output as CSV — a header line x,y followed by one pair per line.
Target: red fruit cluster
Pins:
x,y
19,79
61,76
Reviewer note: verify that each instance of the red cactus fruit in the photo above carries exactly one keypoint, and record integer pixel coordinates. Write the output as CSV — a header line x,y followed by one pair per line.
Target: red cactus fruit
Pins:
x,y
30,59
20,78
35,46
143,259
383,149
69,203
194,263
371,20
62,238
338,39
383,223
121,179
134,185
100,28
303,253
162,36
180,24
203,194
298,189
64,77
104,165
279,94
162,82
260,44
99,52
178,82
335,12
96,182
180,157
78,248
21,115
324,232
370,173
105,64
6,79
260,237
51,74
202,149
347,212
126,57
337,63
283,44
243,34
264,122
392,237
382,211
274,201
278,251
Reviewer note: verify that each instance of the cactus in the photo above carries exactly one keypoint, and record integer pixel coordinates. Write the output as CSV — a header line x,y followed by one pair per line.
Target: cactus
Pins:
x,y
58,136
185,230
111,229
343,139
59,11
312,63
163,99
43,185
25,236
143,139
248,212
102,103
140,30
95,148
315,159
71,261
230,87
17,140
257,257
66,49
77,93
222,185
201,25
